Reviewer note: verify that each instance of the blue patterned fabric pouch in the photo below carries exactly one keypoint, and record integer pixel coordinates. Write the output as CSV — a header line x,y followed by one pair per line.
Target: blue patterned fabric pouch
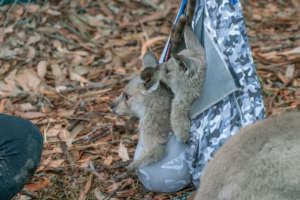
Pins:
x,y
231,97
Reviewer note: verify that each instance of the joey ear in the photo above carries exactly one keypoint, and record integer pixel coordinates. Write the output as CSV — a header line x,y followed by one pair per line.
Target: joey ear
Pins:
x,y
147,74
190,39
149,60
186,65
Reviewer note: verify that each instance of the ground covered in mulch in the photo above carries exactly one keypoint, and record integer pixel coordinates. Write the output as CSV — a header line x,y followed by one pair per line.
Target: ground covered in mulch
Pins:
x,y
63,63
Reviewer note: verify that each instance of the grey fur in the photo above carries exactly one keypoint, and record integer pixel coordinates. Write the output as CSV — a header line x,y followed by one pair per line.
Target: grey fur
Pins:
x,y
184,74
153,111
261,161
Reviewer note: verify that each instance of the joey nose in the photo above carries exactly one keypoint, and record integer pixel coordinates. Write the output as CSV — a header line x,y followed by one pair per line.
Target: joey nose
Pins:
x,y
112,107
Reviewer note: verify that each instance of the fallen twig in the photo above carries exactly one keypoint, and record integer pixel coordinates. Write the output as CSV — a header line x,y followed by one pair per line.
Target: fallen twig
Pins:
x,y
62,39
72,30
94,85
16,94
113,193
277,93
276,48
98,136
93,171
151,42
83,147
296,37
28,193
88,87
68,155
83,193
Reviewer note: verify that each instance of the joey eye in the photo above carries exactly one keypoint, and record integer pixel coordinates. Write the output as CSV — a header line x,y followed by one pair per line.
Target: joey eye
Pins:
x,y
166,70
182,65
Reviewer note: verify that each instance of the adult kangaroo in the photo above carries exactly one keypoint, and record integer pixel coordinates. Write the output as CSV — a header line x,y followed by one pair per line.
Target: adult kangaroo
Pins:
x,y
260,162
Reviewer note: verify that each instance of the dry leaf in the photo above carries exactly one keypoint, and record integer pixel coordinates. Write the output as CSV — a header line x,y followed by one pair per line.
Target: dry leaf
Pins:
x,y
81,70
28,80
47,29
2,35
4,68
83,193
42,68
296,3
44,163
77,77
26,107
6,52
114,186
152,41
2,103
32,115
5,89
33,187
80,53
75,155
53,131
58,74
30,54
11,83
76,22
77,60
33,8
98,194
65,113
289,73
75,131
56,163
96,21
33,39
108,161
123,153
53,12
25,197
64,135
86,162
60,88
56,150
120,70
293,51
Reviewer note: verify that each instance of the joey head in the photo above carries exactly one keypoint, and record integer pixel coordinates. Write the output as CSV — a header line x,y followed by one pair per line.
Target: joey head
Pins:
x,y
153,111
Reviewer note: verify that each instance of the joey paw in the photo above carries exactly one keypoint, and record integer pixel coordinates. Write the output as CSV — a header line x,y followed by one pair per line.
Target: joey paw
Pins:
x,y
182,131
183,137
131,168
